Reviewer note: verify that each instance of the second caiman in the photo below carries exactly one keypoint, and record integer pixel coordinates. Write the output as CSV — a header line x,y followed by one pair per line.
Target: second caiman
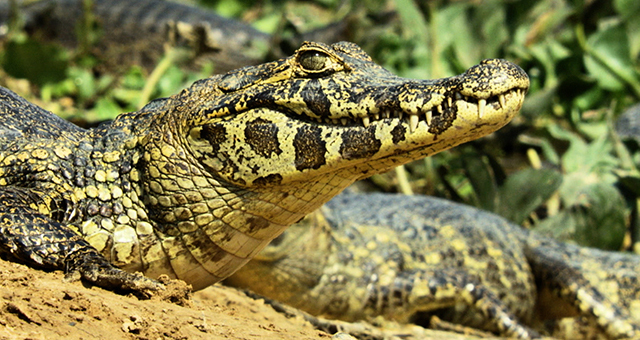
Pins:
x,y
193,186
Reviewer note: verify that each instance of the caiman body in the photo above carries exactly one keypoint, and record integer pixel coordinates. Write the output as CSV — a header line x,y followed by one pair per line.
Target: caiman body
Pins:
x,y
194,185
122,33
409,258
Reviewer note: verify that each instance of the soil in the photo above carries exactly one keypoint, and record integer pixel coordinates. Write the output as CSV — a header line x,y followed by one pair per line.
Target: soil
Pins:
x,y
35,304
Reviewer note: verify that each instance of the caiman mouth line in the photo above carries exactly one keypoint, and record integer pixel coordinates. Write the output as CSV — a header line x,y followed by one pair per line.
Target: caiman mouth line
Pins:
x,y
413,119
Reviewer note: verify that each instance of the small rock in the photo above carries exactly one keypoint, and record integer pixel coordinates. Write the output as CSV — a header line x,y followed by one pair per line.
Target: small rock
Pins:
x,y
342,336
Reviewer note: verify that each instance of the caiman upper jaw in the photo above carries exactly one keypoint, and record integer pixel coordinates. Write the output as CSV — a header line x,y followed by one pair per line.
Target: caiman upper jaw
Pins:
x,y
492,85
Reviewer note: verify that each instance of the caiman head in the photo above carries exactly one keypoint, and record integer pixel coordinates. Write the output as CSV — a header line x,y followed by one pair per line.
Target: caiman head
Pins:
x,y
258,148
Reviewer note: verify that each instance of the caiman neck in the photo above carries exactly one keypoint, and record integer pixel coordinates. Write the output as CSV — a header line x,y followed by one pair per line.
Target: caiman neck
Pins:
x,y
216,222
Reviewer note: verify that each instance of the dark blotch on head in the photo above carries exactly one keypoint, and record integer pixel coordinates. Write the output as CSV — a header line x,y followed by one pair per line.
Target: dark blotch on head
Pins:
x,y
398,133
215,134
310,148
357,144
262,136
269,180
442,122
315,98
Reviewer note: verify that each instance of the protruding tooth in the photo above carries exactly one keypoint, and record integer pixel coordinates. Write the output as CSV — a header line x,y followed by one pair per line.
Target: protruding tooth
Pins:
x,y
440,108
376,116
429,116
335,121
365,121
413,122
401,114
343,121
502,100
450,101
481,104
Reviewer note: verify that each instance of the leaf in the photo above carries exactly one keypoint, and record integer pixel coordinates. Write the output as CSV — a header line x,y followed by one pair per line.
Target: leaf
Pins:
x,y
597,219
627,8
608,59
481,180
525,191
27,60
461,43
594,157
84,81
106,109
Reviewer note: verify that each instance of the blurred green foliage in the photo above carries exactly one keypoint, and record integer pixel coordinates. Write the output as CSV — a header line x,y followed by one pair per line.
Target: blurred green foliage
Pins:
x,y
560,167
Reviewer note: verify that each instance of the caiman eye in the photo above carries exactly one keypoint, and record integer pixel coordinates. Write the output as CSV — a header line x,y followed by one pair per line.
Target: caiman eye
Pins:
x,y
313,61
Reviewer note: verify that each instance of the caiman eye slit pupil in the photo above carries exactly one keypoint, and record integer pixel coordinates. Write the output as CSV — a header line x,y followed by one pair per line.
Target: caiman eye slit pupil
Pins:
x,y
313,60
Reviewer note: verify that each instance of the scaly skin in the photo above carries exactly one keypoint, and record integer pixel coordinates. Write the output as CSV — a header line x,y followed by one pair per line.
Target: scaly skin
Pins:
x,y
195,185
410,257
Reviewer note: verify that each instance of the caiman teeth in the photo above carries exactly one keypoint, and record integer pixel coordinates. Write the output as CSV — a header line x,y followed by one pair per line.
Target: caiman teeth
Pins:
x,y
414,117
413,122
481,105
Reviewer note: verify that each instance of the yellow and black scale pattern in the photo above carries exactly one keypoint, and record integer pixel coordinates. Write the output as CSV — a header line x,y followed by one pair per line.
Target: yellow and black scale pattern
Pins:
x,y
195,185
408,258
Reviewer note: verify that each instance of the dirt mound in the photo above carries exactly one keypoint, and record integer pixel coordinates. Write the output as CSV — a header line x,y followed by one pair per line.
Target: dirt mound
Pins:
x,y
38,305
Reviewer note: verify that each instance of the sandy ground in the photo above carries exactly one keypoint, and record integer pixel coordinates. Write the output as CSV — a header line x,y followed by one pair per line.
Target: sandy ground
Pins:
x,y
35,304
39,305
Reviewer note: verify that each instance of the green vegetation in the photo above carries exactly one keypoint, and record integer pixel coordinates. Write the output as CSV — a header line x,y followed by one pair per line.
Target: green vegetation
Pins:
x,y
560,167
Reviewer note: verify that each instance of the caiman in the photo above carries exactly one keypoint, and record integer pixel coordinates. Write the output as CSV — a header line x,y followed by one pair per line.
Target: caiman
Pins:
x,y
409,258
137,32
195,185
